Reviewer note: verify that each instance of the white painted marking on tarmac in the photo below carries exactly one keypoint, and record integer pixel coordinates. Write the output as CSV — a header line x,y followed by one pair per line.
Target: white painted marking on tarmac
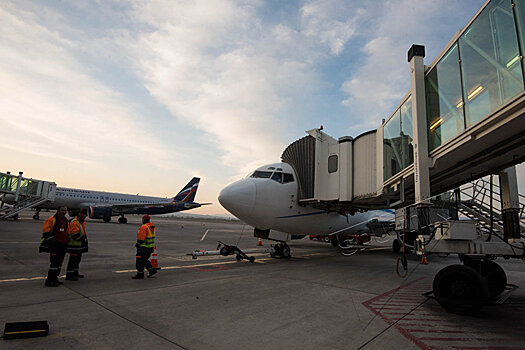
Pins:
x,y
204,235
259,261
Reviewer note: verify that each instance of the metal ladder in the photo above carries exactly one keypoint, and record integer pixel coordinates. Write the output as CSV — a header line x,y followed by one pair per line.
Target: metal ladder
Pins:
x,y
479,199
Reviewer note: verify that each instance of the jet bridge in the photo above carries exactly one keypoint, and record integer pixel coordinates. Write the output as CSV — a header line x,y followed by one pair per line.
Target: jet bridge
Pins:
x,y
462,120
22,193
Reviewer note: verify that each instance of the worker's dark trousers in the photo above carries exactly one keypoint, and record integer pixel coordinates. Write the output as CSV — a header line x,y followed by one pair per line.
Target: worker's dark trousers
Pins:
x,y
73,263
142,261
56,258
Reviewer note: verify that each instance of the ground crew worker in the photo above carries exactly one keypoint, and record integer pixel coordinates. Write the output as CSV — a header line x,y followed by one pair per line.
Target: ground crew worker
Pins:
x,y
77,245
54,240
145,244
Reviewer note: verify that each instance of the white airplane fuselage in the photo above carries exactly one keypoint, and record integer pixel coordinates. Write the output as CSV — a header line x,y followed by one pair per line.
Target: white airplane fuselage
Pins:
x,y
265,203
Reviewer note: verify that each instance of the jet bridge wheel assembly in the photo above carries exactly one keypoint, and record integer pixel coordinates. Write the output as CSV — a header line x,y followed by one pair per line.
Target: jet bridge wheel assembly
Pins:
x,y
460,289
496,277
122,220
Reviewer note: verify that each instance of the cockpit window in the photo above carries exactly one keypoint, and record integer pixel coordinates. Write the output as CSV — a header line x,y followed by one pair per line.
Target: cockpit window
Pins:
x,y
277,176
287,178
257,174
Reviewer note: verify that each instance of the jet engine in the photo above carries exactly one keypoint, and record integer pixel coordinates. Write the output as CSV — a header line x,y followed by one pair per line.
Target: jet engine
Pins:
x,y
101,213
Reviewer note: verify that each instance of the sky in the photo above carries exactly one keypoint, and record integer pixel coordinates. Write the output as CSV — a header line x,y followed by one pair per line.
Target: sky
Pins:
x,y
140,96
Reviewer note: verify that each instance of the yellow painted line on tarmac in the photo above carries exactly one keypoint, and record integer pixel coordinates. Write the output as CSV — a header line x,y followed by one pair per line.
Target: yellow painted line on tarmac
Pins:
x,y
22,279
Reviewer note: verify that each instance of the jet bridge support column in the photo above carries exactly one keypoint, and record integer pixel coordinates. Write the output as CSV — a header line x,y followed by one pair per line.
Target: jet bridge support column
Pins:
x,y
419,125
510,205
17,193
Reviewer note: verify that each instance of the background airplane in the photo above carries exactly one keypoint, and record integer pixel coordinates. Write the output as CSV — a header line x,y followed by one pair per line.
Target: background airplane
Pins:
x,y
267,200
104,205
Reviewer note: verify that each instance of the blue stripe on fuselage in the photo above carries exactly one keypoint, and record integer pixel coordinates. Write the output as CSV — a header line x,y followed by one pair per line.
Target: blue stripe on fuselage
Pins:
x,y
294,216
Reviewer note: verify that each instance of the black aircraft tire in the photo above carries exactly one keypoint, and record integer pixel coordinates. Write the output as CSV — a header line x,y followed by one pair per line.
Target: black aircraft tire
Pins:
x,y
396,246
496,277
285,251
252,259
107,219
238,257
460,289
122,220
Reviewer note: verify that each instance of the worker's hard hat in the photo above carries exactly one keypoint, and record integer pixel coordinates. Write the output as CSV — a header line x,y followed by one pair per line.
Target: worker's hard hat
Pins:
x,y
146,217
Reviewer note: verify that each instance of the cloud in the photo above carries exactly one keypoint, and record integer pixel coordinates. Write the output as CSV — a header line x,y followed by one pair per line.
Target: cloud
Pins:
x,y
218,67
52,106
324,20
377,86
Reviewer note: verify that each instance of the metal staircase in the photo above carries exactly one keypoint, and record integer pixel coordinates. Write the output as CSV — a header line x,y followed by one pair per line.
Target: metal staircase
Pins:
x,y
18,194
480,201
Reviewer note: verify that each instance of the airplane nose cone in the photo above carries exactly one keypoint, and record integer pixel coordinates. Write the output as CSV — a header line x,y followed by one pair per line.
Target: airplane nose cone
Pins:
x,y
239,198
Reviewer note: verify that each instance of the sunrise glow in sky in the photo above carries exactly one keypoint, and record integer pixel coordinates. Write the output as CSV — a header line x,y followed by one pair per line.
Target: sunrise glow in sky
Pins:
x,y
140,96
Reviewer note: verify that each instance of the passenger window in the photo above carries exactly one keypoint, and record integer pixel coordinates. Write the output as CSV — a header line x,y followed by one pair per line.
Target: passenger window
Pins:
x,y
278,177
332,164
261,174
287,178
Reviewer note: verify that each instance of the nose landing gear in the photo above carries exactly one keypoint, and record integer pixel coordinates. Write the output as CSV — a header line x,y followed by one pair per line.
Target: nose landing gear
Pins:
x,y
281,250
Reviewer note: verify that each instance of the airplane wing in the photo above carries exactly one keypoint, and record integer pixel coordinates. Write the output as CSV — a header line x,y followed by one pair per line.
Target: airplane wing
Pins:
x,y
133,206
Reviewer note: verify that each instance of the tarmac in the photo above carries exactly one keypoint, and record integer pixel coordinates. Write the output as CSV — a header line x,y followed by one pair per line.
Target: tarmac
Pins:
x,y
321,298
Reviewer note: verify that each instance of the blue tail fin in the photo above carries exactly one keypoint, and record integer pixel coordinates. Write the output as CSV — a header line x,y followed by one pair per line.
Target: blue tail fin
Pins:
x,y
187,194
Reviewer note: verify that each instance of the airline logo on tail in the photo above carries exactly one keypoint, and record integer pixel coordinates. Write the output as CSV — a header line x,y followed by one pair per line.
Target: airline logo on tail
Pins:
x,y
187,194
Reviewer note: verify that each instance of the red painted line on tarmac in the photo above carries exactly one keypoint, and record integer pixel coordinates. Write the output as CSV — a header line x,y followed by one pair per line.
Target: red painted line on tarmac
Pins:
x,y
487,347
469,339
389,321
443,331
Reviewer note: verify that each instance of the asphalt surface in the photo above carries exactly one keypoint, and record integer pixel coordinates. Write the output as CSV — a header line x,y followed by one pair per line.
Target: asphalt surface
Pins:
x,y
318,299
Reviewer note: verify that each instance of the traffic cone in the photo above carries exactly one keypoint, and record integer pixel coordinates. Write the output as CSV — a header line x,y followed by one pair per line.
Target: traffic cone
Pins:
x,y
182,226
153,259
259,244
424,260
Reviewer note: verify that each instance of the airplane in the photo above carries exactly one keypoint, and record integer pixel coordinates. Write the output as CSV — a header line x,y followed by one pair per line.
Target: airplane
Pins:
x,y
104,205
267,200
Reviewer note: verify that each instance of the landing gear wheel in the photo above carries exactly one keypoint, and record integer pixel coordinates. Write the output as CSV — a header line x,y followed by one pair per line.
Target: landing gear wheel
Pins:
x,y
496,277
122,220
277,250
238,257
107,219
285,251
396,246
460,289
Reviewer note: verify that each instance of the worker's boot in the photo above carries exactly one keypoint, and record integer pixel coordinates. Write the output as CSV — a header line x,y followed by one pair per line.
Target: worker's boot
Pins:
x,y
78,275
52,283
52,279
138,276
70,276
152,271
